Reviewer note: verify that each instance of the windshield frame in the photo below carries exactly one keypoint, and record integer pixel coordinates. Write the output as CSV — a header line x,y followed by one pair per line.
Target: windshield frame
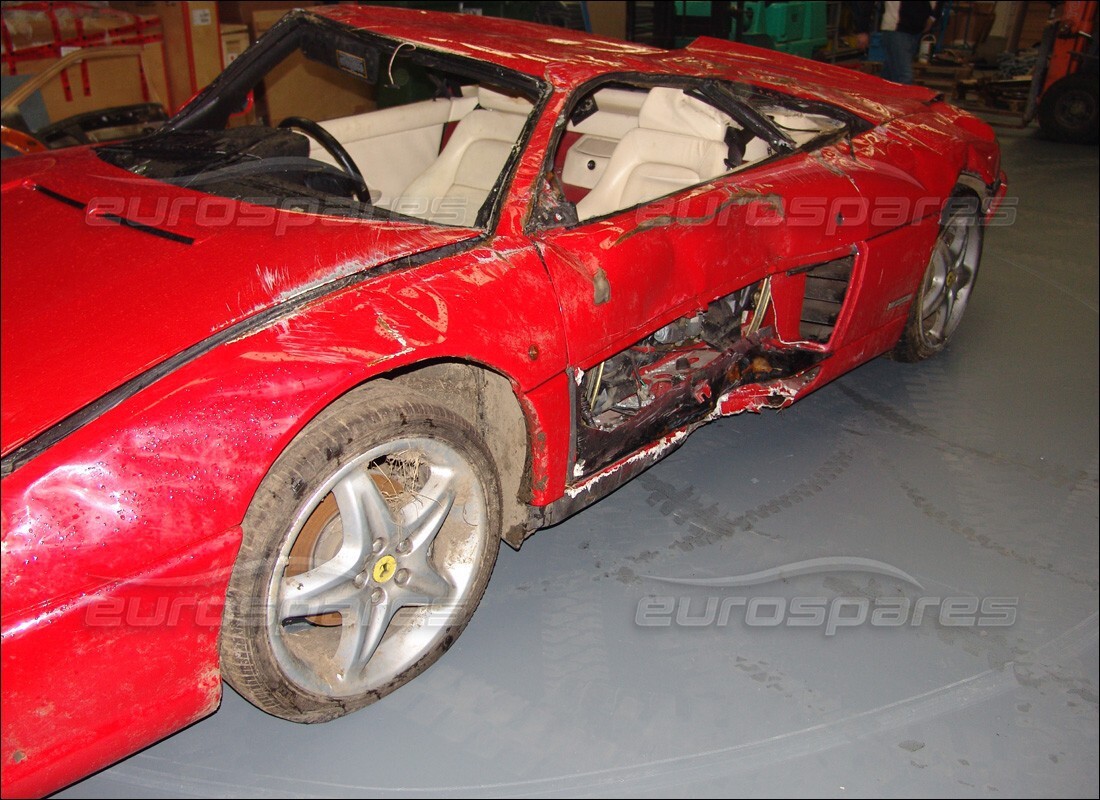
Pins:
x,y
211,109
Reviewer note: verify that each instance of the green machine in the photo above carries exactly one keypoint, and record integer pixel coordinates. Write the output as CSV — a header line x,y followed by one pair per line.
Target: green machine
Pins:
x,y
790,27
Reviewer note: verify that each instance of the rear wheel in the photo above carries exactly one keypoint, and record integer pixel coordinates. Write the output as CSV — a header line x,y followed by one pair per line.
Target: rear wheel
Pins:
x,y
945,289
366,551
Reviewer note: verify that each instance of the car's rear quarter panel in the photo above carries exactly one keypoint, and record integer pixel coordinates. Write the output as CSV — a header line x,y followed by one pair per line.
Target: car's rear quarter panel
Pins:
x,y
92,522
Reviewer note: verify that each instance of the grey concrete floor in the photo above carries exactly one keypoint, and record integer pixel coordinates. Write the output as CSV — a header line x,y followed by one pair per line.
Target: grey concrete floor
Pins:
x,y
975,473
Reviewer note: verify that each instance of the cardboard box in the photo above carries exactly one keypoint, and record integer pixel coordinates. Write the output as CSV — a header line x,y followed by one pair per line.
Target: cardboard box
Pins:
x,y
608,18
37,35
235,40
241,13
1032,21
303,88
39,25
103,83
970,23
192,43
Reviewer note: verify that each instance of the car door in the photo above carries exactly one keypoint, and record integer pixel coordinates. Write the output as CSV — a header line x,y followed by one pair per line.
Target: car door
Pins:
x,y
630,267
800,217
619,278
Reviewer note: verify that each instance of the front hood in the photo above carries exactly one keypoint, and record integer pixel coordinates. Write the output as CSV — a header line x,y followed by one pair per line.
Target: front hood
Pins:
x,y
105,276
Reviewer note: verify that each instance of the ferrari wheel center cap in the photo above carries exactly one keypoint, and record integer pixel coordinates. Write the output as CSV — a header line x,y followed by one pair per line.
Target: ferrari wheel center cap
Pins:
x,y
951,277
384,569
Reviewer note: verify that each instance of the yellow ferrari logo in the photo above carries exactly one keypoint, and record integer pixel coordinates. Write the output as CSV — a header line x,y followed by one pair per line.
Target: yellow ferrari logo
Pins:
x,y
384,568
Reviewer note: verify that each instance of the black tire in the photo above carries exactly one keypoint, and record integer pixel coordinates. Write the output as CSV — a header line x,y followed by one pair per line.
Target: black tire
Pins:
x,y
377,450
926,332
1070,110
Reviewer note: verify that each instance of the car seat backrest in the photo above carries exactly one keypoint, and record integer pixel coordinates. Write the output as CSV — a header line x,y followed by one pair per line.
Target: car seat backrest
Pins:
x,y
679,142
455,186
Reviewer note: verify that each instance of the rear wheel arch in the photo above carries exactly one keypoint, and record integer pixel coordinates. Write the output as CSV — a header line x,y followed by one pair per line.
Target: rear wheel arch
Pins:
x,y
480,395
469,409
488,401
410,539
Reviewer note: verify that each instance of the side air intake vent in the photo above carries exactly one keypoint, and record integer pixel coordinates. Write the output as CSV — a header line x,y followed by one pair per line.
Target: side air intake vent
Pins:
x,y
826,285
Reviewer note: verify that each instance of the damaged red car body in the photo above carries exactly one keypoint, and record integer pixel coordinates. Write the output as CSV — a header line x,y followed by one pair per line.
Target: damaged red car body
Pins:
x,y
272,395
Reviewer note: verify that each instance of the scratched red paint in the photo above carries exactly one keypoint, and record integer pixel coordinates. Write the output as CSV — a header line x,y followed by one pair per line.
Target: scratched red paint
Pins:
x,y
145,500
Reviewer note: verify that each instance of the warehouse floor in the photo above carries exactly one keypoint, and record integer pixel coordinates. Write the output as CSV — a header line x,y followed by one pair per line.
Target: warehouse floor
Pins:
x,y
971,476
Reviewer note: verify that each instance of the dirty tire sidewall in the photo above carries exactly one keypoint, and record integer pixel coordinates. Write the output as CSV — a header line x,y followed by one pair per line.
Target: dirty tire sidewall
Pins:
x,y
912,345
365,417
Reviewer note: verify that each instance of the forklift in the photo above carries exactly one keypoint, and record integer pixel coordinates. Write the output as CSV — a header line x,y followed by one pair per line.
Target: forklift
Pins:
x,y
1065,89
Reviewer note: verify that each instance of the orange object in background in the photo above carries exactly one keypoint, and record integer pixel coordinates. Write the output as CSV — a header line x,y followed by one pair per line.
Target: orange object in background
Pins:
x,y
1065,89
20,142
1072,38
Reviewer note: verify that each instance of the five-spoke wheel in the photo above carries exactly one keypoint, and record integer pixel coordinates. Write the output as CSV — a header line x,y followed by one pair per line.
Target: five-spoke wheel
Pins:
x,y
367,550
941,301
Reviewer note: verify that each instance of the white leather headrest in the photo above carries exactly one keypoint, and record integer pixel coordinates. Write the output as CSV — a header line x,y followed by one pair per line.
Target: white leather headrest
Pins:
x,y
495,101
619,101
673,111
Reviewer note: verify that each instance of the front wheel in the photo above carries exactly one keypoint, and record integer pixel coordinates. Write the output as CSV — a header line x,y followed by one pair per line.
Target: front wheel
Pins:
x,y
948,282
366,550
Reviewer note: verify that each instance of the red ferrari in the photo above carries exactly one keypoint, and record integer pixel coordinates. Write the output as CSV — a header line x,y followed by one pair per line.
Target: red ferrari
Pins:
x,y
274,393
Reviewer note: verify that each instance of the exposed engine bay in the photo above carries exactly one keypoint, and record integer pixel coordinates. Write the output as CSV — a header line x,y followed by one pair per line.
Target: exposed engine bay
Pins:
x,y
677,375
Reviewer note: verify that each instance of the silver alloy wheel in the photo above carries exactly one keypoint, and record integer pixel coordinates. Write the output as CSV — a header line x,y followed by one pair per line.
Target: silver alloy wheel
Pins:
x,y
949,278
398,563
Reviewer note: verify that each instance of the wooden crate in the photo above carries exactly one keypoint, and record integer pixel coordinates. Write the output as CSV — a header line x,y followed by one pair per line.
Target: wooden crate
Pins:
x,y
941,76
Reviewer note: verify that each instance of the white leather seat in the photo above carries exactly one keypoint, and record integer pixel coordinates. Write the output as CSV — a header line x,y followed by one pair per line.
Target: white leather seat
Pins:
x,y
616,114
453,189
756,150
679,142
392,146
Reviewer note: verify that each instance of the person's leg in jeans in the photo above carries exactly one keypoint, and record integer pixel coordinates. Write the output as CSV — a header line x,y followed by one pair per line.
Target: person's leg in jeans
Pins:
x,y
900,49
